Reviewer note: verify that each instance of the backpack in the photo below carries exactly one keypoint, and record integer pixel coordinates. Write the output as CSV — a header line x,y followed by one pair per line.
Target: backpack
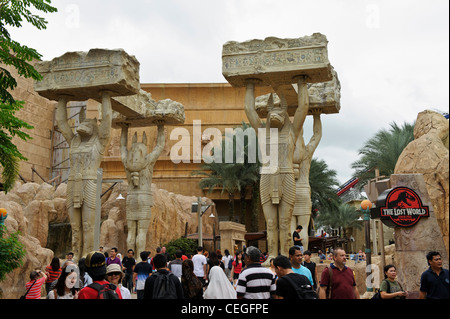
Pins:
x,y
303,291
105,291
377,295
230,263
164,287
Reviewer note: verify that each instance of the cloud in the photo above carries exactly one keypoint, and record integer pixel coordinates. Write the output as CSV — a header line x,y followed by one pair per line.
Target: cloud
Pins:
x,y
391,56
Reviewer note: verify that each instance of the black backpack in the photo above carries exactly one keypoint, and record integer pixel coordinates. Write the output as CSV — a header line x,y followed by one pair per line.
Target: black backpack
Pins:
x,y
163,286
105,291
303,291
377,295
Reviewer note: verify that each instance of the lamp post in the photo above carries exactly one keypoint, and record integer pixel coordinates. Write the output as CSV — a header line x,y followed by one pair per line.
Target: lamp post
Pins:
x,y
200,208
366,205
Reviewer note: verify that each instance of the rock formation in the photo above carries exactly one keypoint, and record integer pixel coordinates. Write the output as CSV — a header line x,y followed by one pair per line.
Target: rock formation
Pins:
x,y
428,154
35,210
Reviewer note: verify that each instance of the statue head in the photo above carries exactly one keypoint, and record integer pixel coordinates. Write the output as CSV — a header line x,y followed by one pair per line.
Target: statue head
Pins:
x,y
277,113
87,127
136,155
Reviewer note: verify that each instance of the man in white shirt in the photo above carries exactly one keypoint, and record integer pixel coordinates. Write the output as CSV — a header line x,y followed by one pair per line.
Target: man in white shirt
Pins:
x,y
200,265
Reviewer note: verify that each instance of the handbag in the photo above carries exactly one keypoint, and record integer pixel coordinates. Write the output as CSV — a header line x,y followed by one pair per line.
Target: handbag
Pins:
x,y
23,297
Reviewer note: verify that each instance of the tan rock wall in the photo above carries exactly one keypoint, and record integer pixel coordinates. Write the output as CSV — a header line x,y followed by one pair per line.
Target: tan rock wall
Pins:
x,y
428,154
37,111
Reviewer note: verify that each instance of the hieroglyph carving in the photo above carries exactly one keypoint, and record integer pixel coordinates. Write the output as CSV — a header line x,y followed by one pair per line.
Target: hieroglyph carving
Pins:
x,y
276,61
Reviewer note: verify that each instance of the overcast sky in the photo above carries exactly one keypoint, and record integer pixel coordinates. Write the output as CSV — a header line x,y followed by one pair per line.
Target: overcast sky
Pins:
x,y
392,57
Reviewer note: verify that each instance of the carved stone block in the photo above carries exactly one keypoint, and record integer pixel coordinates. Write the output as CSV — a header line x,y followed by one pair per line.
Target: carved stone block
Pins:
x,y
324,95
82,75
150,112
276,61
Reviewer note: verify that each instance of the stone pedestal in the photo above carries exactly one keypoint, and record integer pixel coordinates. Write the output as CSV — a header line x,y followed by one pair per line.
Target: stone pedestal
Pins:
x,y
413,243
232,236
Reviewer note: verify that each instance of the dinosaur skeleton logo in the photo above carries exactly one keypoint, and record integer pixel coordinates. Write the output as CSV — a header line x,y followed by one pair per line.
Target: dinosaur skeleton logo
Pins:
x,y
403,207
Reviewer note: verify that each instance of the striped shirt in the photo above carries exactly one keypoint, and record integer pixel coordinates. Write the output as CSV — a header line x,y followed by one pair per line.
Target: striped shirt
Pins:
x,y
35,291
52,275
255,282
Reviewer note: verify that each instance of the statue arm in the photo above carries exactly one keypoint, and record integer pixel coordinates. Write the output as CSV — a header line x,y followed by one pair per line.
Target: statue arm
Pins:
x,y
317,129
61,119
303,106
160,142
124,143
104,129
250,111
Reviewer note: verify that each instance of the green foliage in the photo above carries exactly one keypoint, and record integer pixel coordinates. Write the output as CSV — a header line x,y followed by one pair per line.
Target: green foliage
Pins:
x,y
237,176
344,217
185,244
11,126
12,252
12,14
323,183
382,151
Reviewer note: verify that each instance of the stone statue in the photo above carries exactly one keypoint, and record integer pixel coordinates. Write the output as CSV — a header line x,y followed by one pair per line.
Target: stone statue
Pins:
x,y
303,155
139,169
277,188
87,147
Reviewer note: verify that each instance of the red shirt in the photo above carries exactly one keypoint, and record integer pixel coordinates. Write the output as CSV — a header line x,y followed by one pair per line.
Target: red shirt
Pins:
x,y
52,275
35,291
342,282
91,293
237,267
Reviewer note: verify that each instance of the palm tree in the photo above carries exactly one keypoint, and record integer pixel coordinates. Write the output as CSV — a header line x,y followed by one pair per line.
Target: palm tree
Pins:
x,y
344,217
231,177
222,175
323,183
382,151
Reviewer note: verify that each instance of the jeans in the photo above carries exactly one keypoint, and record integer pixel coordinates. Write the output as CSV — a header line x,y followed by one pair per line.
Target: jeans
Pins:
x,y
127,282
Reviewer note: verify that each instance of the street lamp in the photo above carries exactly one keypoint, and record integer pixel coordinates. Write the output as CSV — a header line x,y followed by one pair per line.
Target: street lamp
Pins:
x,y
200,208
366,205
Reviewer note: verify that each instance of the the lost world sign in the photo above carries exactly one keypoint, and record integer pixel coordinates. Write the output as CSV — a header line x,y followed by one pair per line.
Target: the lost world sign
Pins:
x,y
399,207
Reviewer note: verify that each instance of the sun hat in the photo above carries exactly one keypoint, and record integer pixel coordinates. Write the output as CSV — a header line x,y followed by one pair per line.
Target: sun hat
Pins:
x,y
114,268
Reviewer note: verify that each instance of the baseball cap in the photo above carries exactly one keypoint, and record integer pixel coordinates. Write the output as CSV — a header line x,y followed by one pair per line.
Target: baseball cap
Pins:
x,y
95,264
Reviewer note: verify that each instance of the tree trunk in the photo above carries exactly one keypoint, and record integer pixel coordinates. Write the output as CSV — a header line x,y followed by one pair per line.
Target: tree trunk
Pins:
x,y
231,205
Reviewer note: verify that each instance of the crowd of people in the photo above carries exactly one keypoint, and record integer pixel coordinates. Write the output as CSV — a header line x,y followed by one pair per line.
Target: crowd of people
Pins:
x,y
213,276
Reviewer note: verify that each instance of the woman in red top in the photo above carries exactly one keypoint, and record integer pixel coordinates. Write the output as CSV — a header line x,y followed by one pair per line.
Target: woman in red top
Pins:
x,y
52,271
33,287
237,267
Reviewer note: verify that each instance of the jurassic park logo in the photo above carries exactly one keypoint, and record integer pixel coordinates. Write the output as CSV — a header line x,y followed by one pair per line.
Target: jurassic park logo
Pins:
x,y
401,206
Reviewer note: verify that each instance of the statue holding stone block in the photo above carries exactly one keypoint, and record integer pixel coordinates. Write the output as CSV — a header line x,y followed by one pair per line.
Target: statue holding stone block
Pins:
x,y
277,185
98,74
278,63
87,147
137,162
139,169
